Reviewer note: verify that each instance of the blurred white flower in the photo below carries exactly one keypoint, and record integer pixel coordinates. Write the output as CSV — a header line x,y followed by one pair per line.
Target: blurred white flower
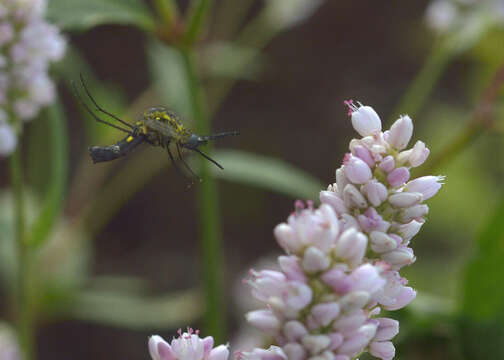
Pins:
x,y
445,16
9,349
283,14
27,46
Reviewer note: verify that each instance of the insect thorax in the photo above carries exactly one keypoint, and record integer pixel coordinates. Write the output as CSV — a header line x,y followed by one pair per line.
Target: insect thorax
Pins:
x,y
164,122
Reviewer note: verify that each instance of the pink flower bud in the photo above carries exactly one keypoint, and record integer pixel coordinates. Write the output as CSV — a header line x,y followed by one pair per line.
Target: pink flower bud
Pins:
x,y
341,357
381,242
400,133
388,164
350,322
354,344
338,280
387,329
363,153
357,170
367,278
382,349
414,212
405,199
316,343
157,343
351,246
267,283
298,295
221,352
315,260
287,238
336,340
376,192
371,220
399,257
272,353
294,351
291,269
354,300
341,179
294,330
353,197
325,313
407,231
365,120
398,177
405,296
419,154
428,186
333,199
264,320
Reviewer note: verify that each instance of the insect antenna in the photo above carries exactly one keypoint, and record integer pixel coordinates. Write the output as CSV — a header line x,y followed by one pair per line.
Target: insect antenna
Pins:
x,y
220,135
98,107
208,158
185,164
88,109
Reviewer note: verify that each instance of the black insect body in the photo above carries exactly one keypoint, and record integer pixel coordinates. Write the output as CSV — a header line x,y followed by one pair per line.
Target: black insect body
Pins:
x,y
158,127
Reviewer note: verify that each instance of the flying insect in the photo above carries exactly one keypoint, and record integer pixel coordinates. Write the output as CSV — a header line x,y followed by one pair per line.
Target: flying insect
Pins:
x,y
158,127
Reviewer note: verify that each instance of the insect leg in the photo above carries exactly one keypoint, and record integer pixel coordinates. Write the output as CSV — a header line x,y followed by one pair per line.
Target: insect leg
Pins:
x,y
98,107
173,161
208,158
93,114
185,164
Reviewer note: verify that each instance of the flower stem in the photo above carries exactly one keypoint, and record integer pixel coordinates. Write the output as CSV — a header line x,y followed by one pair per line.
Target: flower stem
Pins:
x,y
24,322
208,214
418,92
482,118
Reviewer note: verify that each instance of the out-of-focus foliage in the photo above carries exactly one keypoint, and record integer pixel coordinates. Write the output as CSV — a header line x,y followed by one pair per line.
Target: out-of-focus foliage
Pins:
x,y
480,325
83,15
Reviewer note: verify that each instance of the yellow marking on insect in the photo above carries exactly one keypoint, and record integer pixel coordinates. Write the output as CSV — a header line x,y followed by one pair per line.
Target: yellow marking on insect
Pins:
x,y
129,139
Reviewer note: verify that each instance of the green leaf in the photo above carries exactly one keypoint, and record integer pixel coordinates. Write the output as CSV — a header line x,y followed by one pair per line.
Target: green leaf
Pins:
x,y
267,173
85,14
129,310
227,60
169,77
482,301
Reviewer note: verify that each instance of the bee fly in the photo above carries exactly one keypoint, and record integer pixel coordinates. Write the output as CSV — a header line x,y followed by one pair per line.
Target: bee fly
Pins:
x,y
158,127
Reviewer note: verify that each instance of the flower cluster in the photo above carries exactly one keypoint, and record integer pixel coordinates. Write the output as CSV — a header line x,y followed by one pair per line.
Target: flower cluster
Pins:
x,y
343,258
452,15
188,346
27,45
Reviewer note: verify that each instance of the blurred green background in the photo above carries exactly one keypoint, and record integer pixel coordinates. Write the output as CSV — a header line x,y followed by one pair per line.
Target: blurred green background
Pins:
x,y
118,257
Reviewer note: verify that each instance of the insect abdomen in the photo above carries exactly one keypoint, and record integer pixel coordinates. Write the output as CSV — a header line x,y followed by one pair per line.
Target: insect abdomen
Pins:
x,y
112,152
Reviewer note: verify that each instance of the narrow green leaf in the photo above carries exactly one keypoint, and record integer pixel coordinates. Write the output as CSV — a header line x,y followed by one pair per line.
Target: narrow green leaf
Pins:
x,y
196,19
129,310
267,173
85,14
169,77
482,301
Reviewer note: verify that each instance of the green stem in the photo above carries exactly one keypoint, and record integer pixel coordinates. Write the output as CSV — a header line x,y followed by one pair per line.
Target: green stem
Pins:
x,y
208,215
196,19
168,11
53,202
24,323
418,92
